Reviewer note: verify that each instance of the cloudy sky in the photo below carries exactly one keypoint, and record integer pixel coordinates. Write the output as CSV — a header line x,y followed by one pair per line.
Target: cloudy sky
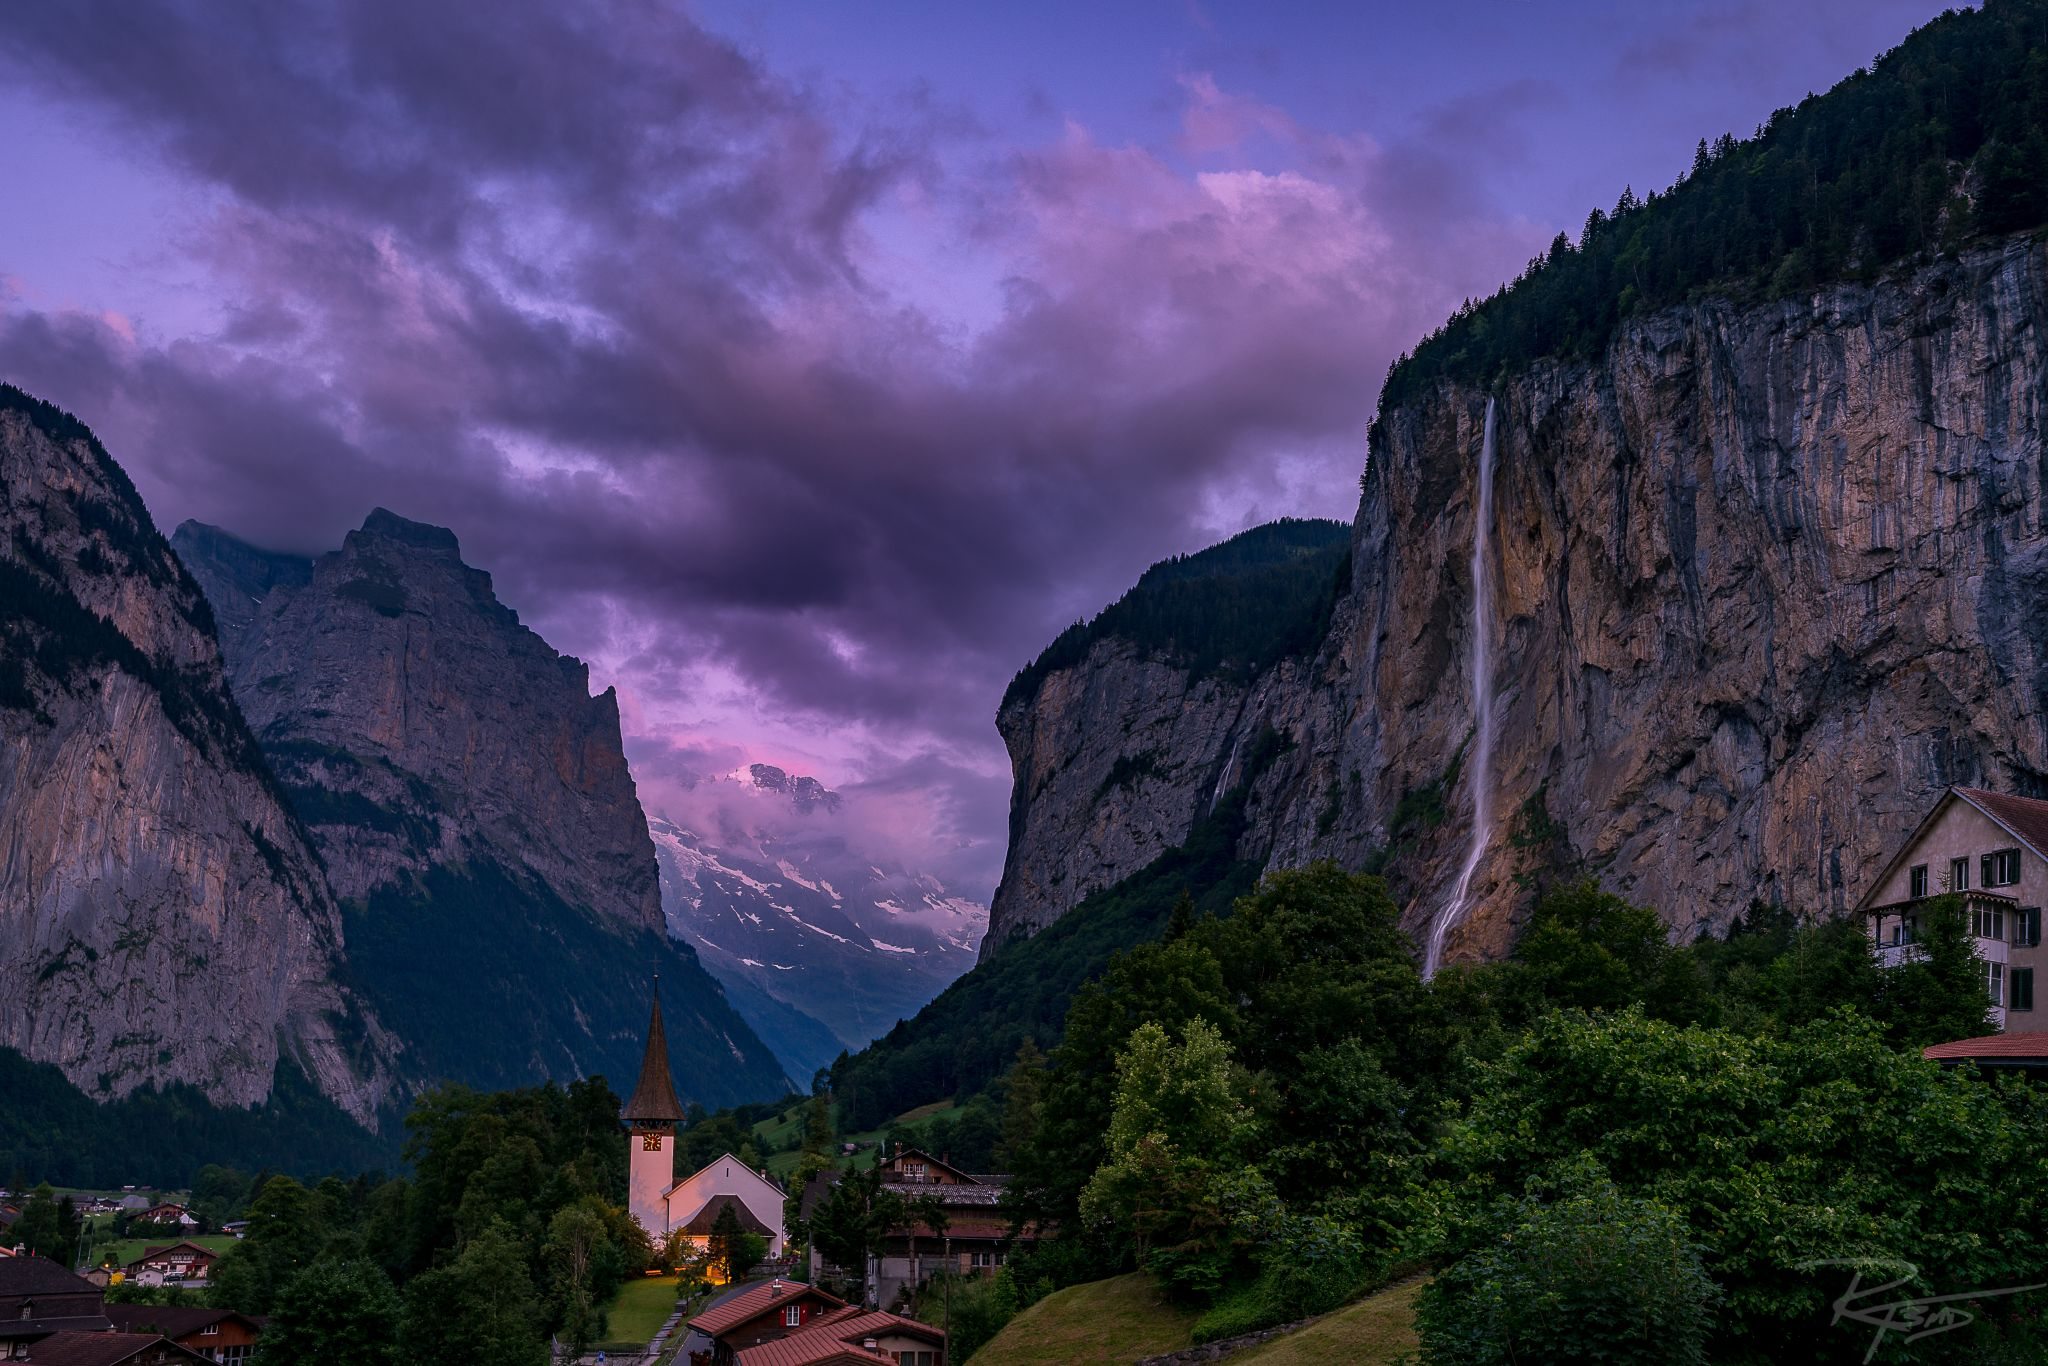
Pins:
x,y
807,367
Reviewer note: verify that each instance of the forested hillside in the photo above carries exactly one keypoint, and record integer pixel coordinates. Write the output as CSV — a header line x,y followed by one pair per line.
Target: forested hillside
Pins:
x,y
1940,142
1260,596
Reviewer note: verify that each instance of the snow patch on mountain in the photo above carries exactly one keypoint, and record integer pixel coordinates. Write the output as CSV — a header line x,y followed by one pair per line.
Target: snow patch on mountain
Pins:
x,y
767,880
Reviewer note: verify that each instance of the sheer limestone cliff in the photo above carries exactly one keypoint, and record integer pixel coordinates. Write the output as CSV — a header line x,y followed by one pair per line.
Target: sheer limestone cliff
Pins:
x,y
162,918
421,723
474,810
1771,576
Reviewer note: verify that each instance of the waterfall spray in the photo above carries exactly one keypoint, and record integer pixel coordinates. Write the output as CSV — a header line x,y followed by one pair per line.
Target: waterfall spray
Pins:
x,y
1479,763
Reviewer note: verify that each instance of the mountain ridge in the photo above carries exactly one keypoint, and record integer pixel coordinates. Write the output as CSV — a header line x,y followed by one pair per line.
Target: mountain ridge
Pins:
x,y
474,810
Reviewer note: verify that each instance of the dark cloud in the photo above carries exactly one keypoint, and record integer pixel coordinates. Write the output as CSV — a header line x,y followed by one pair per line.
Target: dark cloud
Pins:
x,y
656,333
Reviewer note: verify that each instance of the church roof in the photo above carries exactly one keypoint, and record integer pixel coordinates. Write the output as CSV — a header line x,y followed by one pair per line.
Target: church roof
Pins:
x,y
705,1220
655,1097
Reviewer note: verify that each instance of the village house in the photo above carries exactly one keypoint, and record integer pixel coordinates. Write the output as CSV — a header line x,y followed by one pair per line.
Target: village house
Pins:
x,y
976,1238
1987,848
50,1317
180,1263
784,1323
219,1335
765,1313
170,1216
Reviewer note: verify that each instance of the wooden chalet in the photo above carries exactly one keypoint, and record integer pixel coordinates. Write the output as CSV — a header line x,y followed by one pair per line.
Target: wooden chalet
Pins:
x,y
220,1335
853,1337
50,1317
179,1262
767,1312
105,1349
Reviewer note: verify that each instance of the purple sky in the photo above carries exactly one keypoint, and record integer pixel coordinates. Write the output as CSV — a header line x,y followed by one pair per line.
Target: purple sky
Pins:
x,y
806,368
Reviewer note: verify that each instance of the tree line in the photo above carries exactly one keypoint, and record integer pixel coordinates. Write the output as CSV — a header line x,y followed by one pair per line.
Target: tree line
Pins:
x,y
1941,142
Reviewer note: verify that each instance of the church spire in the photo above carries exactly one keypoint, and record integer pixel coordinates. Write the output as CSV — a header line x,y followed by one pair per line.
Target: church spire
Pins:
x,y
654,1099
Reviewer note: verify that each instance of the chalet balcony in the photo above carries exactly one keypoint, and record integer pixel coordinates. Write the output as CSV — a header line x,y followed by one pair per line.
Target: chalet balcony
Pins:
x,y
1993,916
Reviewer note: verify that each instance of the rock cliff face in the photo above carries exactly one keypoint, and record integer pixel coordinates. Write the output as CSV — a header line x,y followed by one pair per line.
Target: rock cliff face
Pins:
x,y
1770,577
162,918
421,723
473,807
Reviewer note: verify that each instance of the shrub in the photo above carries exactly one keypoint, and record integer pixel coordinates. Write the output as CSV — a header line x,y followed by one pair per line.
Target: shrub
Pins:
x,y
1593,1276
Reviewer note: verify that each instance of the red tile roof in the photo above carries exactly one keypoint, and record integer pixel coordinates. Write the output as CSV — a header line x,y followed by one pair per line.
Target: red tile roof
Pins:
x,y
837,1338
2007,1047
2026,817
744,1308
811,1349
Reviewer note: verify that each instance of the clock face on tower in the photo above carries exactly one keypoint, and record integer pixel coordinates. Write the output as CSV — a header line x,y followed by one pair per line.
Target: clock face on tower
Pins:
x,y
650,1142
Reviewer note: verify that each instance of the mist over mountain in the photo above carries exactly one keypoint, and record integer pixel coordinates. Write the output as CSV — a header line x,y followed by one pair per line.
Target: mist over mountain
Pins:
x,y
822,940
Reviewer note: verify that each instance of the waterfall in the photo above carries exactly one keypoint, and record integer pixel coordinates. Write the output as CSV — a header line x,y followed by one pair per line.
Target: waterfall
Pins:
x,y
1224,776
1480,762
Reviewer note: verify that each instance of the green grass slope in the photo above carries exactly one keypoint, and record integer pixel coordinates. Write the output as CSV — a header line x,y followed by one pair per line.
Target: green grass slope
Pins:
x,y
1376,1330
1117,1320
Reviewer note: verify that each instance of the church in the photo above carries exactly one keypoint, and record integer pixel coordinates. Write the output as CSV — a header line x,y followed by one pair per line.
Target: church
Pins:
x,y
691,1206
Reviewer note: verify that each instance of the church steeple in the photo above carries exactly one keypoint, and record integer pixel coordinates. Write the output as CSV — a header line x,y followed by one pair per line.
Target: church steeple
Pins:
x,y
651,1117
654,1099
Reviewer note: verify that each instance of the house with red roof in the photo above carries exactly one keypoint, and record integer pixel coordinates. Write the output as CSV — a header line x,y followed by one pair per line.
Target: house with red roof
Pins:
x,y
1990,849
784,1323
766,1312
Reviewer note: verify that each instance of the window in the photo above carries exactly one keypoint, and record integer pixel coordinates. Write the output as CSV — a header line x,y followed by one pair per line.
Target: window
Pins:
x,y
1916,881
792,1316
1994,982
1905,929
2026,926
1959,875
1987,922
2019,989
913,1172
2002,868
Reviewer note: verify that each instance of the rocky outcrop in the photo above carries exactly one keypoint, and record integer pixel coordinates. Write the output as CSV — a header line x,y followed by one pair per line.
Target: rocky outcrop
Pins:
x,y
1770,577
1115,761
418,723
162,918
475,813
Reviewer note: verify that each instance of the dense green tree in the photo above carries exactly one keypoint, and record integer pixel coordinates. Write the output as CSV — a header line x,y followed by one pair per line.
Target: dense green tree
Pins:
x,y
333,1311
818,1132
1179,1130
288,1230
732,1251
1780,1152
479,1310
1937,144
851,1221
576,1238
1023,1095
1592,1275
41,1227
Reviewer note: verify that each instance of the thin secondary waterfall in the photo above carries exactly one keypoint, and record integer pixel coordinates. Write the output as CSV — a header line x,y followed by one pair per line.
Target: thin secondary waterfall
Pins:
x,y
1479,764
